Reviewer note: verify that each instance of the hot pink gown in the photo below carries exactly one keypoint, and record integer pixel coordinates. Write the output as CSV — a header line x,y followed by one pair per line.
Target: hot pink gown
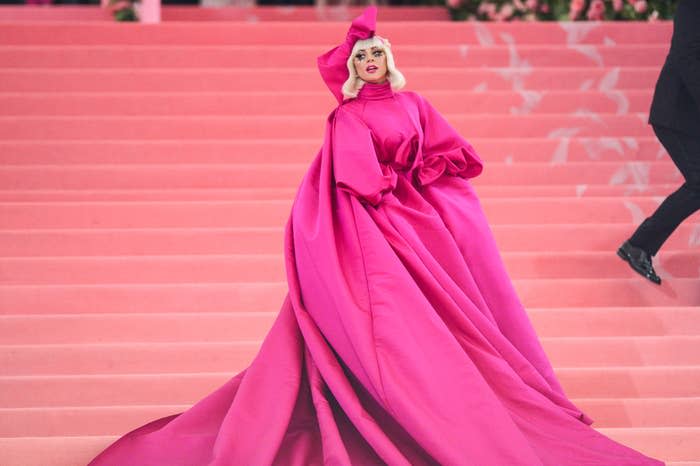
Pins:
x,y
401,340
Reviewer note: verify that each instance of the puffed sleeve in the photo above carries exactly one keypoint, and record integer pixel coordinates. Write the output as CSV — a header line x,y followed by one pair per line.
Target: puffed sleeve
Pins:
x,y
356,167
445,151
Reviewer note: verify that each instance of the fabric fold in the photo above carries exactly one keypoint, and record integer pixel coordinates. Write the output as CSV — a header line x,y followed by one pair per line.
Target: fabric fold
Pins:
x,y
445,151
356,167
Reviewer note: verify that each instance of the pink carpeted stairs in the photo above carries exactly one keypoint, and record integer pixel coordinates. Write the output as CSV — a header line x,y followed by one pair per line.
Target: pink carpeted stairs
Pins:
x,y
147,171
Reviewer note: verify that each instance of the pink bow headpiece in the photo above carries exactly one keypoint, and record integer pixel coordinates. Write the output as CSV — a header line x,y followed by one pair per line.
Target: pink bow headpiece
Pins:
x,y
333,64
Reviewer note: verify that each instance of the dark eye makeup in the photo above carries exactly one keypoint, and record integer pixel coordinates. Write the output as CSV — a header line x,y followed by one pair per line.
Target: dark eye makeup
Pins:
x,y
376,53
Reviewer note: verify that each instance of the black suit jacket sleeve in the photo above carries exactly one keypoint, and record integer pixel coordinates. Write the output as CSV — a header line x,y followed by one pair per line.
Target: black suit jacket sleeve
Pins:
x,y
686,46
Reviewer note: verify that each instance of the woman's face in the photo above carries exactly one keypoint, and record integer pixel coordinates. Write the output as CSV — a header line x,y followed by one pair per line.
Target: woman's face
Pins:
x,y
371,65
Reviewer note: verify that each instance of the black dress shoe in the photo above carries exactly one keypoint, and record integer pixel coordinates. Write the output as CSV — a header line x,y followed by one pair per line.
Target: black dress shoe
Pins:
x,y
639,260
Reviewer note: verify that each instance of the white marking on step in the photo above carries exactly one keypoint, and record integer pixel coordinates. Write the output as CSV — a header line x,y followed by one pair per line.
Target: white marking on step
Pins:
x,y
561,152
576,32
586,85
694,237
483,34
638,172
609,80
631,142
530,100
595,147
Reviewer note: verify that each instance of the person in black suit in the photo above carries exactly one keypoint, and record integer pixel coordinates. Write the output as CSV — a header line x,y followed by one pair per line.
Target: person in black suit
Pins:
x,y
675,118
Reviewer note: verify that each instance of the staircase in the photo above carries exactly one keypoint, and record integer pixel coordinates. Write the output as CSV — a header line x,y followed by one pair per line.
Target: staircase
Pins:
x,y
147,171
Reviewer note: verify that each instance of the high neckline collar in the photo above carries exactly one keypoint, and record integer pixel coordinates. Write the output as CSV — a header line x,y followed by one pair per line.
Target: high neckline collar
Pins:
x,y
373,91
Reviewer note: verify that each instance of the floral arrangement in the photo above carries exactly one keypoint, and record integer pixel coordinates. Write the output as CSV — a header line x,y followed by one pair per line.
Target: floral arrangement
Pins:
x,y
123,10
596,10
561,10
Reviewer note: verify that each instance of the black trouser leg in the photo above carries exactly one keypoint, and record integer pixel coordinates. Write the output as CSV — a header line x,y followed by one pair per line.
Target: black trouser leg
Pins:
x,y
684,150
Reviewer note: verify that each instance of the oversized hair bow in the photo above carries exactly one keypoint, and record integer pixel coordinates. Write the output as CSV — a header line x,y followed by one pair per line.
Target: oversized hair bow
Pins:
x,y
333,64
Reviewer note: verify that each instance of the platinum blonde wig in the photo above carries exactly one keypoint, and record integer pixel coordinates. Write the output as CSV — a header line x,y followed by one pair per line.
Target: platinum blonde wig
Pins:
x,y
354,83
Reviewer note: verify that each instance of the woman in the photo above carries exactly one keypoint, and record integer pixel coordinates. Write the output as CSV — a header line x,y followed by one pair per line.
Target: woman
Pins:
x,y
401,340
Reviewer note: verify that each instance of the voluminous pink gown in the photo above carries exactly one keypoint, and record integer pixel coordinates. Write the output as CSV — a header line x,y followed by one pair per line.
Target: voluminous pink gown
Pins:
x,y
401,340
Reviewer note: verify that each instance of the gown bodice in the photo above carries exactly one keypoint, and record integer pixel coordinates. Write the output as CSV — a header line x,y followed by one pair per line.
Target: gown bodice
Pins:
x,y
394,135
382,135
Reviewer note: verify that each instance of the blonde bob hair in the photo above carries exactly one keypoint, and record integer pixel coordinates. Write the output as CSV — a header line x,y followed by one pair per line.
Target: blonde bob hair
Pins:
x,y
352,86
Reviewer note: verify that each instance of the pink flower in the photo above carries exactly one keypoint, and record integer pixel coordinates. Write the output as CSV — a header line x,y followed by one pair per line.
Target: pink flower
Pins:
x,y
531,4
596,10
544,8
487,8
640,6
618,5
505,12
654,16
454,3
576,6
519,5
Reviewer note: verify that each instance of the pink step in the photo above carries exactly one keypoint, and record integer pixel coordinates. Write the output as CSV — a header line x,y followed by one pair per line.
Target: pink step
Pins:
x,y
221,297
286,56
642,412
615,322
265,194
584,190
139,241
96,390
237,194
626,382
532,265
431,31
56,451
262,151
201,268
135,328
244,240
633,291
80,420
128,358
268,297
571,326
172,78
110,389
623,351
276,103
140,176
229,214
211,356
114,420
289,127
670,444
